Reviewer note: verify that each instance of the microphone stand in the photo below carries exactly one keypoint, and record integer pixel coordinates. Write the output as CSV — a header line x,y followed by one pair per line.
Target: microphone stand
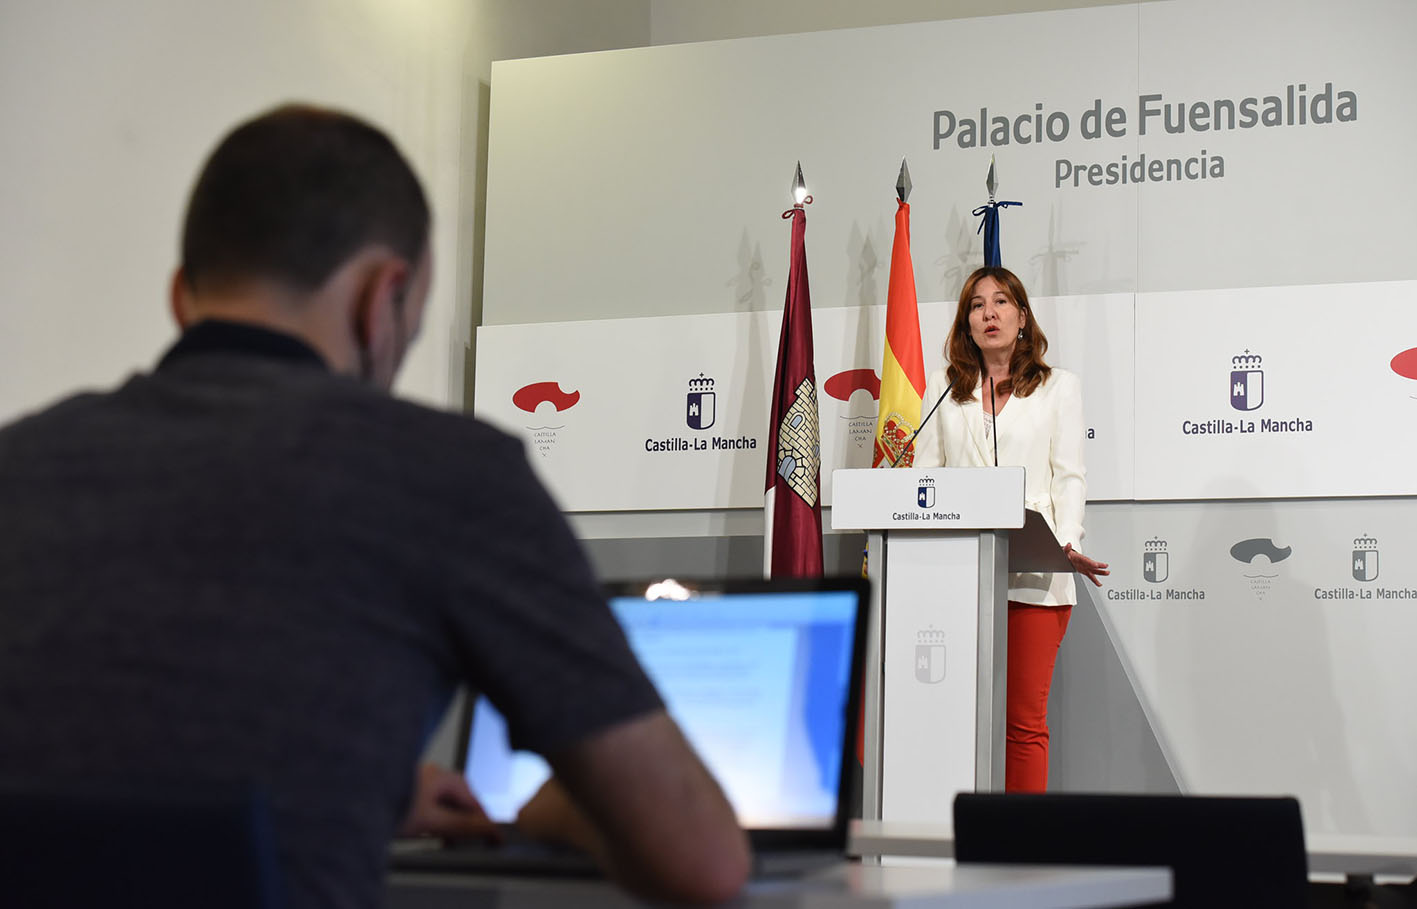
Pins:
x,y
994,406
906,447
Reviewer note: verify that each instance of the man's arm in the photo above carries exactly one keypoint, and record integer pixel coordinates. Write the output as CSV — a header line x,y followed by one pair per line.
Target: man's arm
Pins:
x,y
639,800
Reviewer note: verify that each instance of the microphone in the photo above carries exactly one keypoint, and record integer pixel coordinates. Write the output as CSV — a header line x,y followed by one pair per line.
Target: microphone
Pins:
x,y
906,447
994,406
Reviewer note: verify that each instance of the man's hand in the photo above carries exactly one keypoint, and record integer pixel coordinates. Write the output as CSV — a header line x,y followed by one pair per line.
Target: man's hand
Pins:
x,y
444,806
637,798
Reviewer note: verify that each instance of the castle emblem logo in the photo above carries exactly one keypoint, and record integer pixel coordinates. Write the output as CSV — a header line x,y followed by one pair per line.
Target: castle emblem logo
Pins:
x,y
799,447
1365,559
1155,562
1246,381
925,493
700,411
930,656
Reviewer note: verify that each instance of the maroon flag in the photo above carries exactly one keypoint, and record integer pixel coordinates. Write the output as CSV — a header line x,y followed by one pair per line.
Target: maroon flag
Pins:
x,y
792,506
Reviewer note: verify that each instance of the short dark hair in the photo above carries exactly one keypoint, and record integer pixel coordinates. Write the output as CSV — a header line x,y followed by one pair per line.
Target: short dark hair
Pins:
x,y
294,193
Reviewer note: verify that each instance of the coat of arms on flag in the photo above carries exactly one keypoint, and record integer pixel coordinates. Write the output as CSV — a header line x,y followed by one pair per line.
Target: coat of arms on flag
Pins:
x,y
799,450
891,435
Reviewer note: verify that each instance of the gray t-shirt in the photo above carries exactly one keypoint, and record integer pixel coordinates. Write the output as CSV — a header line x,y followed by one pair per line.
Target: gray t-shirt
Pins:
x,y
242,568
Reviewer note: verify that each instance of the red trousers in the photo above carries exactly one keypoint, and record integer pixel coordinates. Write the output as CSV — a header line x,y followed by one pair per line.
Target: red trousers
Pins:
x,y
1034,635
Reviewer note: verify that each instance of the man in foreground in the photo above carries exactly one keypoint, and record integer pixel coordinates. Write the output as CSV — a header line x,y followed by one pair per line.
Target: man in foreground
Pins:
x,y
253,565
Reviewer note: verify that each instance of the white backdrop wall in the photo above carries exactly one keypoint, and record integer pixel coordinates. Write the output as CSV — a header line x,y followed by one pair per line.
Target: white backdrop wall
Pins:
x,y
109,110
679,21
1267,640
616,436
645,141
644,187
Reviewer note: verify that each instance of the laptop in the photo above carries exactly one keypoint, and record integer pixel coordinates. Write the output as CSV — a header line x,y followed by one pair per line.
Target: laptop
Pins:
x,y
770,701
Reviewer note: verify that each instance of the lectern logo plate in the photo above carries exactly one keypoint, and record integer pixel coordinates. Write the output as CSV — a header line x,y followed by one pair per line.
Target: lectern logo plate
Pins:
x,y
930,656
925,493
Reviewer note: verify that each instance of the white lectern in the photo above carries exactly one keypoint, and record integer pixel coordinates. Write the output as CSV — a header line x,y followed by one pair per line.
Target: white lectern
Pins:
x,y
938,556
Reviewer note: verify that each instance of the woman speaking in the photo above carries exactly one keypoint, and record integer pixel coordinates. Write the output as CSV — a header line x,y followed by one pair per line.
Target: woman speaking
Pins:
x,y
1005,402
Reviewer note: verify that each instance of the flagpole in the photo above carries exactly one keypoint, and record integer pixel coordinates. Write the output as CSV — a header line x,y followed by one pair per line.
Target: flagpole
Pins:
x,y
988,214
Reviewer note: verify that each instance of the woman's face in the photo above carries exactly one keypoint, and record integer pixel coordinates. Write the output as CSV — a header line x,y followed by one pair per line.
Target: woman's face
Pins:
x,y
994,317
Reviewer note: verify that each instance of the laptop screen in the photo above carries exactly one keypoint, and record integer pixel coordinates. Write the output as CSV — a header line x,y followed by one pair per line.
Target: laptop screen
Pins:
x,y
758,674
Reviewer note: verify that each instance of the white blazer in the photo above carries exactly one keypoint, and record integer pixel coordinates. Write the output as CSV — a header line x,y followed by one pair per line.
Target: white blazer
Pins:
x,y
1043,433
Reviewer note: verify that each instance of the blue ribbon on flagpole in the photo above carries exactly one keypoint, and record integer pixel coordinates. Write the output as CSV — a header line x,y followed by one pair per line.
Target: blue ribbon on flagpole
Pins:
x,y
989,223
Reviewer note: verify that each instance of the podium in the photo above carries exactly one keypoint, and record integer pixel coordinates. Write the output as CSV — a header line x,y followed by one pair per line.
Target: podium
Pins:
x,y
938,553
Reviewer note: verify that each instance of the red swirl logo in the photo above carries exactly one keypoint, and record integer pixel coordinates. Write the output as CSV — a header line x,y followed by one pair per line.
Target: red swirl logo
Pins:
x,y
532,396
1405,364
841,385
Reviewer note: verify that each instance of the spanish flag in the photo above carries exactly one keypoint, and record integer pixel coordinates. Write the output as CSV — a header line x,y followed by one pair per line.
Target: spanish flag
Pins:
x,y
903,367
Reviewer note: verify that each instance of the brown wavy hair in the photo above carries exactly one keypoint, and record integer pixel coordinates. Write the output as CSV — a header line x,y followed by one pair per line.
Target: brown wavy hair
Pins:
x,y
1026,368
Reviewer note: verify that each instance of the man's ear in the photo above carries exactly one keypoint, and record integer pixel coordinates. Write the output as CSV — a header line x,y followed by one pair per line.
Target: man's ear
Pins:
x,y
180,299
378,305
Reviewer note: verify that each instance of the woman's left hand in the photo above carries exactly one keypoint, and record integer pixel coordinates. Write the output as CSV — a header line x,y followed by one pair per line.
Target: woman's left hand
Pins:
x,y
1088,568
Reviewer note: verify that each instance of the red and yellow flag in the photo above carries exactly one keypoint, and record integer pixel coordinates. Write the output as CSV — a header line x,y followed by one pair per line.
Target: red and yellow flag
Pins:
x,y
903,367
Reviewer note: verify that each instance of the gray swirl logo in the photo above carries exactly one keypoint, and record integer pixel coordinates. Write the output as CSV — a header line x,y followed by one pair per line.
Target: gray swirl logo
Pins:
x,y
1260,555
